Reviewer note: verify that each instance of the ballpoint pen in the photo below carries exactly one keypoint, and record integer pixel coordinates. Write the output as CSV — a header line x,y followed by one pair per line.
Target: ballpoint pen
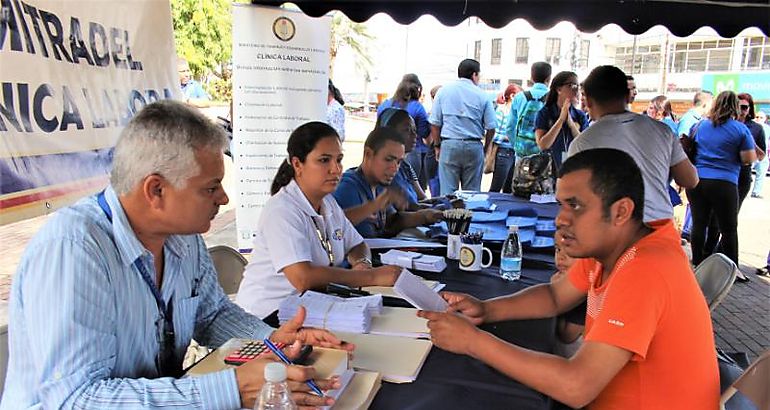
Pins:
x,y
288,362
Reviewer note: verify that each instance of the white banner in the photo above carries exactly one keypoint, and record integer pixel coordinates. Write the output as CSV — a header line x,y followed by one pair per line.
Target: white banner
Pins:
x,y
280,64
73,74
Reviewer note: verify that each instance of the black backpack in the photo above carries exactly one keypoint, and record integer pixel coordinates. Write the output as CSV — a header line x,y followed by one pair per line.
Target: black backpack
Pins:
x,y
534,175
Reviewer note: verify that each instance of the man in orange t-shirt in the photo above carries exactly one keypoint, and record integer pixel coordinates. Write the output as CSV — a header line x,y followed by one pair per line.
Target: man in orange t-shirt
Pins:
x,y
648,339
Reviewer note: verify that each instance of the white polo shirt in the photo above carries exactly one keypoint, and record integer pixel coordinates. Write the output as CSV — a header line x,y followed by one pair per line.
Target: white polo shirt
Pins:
x,y
287,235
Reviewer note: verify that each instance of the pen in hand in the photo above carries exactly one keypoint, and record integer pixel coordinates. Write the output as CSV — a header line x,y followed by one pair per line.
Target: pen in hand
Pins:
x,y
288,362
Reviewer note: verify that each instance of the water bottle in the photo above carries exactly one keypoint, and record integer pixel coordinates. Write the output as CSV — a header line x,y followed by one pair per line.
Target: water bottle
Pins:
x,y
275,394
510,256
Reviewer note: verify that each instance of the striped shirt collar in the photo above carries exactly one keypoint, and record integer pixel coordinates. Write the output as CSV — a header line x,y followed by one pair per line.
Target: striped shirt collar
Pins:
x,y
129,246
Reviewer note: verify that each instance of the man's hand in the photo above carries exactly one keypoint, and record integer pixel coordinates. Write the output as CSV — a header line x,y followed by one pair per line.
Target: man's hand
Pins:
x,y
292,331
450,331
385,275
250,377
437,152
469,306
431,216
391,196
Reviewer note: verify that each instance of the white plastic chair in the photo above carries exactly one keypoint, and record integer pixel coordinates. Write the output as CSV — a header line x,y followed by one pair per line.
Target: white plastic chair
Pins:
x,y
229,264
715,276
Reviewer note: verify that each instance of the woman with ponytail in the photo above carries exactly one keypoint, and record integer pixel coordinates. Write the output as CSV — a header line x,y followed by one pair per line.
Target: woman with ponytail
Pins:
x,y
303,238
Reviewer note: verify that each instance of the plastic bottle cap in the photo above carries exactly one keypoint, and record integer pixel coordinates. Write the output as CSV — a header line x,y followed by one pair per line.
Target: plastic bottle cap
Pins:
x,y
275,372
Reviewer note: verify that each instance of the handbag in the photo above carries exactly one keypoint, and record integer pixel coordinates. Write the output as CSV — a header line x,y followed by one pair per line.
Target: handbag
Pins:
x,y
689,144
489,159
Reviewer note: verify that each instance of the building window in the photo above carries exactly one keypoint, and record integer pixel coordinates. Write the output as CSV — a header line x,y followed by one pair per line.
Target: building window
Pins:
x,y
585,46
646,60
497,49
477,51
522,51
693,56
756,53
552,50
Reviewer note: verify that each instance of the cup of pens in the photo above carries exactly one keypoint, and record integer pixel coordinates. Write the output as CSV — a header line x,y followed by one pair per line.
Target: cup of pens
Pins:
x,y
472,252
457,221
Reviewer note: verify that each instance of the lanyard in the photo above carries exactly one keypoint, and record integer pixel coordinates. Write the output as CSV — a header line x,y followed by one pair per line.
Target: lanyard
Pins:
x,y
165,311
325,244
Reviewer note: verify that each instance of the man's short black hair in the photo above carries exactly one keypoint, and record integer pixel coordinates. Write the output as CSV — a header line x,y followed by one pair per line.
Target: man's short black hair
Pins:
x,y
629,77
379,136
467,67
614,175
606,84
540,71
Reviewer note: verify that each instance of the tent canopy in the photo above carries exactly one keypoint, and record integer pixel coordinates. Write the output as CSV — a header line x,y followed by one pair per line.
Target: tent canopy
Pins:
x,y
681,17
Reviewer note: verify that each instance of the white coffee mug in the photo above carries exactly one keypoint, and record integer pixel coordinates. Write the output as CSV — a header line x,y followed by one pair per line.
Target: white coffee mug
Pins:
x,y
471,256
453,247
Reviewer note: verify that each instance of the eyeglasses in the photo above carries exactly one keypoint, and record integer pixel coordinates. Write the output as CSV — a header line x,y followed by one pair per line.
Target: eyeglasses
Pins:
x,y
744,107
573,86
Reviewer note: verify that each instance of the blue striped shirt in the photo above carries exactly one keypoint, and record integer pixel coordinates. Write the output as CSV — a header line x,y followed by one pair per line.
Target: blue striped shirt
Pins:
x,y
84,326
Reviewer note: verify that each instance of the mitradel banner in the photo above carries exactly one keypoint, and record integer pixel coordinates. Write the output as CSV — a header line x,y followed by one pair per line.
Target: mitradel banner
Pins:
x,y
280,77
73,74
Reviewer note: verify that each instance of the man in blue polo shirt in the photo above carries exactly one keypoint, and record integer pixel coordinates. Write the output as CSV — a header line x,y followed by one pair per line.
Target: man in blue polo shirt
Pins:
x,y
192,91
367,194
523,136
462,113
701,103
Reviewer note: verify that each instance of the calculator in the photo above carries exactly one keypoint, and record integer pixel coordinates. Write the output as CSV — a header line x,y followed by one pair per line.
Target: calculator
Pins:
x,y
251,350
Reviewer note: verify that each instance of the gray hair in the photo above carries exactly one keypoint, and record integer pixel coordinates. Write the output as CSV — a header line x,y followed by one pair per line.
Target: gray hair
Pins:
x,y
162,139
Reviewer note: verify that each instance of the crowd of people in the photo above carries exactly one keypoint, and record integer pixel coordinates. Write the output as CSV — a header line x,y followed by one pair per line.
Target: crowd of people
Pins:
x,y
133,283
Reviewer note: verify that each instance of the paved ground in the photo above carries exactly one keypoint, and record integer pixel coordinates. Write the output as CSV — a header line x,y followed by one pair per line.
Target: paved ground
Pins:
x,y
741,322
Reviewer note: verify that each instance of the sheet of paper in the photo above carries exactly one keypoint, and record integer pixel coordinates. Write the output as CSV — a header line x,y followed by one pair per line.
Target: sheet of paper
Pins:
x,y
360,392
388,290
382,243
414,290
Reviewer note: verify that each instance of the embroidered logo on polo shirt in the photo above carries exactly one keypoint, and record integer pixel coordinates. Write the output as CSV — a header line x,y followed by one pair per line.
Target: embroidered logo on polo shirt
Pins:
x,y
337,235
616,322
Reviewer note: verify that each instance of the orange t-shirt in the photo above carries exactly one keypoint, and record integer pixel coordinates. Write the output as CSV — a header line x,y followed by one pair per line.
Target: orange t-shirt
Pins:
x,y
652,306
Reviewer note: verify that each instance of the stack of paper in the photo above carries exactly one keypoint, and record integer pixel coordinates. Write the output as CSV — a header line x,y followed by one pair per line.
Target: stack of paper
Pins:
x,y
332,312
388,290
398,359
413,260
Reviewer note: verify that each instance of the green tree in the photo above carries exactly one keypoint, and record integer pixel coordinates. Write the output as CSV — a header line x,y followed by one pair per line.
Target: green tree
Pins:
x,y
351,34
203,36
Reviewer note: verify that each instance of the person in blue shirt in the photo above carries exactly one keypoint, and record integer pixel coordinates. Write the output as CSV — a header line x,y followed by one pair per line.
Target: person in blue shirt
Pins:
x,y
660,109
109,293
371,202
462,115
192,91
540,74
559,122
723,145
407,97
502,173
406,178
701,103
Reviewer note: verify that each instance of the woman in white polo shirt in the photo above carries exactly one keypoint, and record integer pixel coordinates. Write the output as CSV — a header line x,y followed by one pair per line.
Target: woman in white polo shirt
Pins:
x,y
303,236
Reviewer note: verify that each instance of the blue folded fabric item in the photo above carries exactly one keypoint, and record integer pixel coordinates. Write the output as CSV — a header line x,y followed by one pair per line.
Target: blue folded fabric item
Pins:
x,y
478,205
541,242
495,216
521,221
545,225
526,236
495,232
522,211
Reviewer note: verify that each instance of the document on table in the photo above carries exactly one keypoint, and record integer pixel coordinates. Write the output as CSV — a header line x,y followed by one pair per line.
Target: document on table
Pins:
x,y
389,291
414,290
398,321
398,359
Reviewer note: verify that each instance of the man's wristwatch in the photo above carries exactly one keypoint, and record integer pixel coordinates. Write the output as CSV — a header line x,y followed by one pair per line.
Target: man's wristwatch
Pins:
x,y
362,260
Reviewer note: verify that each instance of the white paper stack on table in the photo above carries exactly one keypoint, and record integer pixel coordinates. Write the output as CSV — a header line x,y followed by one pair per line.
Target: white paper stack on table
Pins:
x,y
413,260
388,290
332,312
